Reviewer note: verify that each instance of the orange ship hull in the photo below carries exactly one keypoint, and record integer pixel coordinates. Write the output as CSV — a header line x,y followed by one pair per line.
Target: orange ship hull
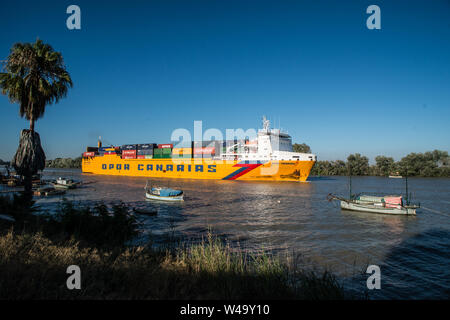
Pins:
x,y
199,168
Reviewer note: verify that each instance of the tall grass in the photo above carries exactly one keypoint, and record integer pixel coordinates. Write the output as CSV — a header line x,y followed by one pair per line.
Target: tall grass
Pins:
x,y
33,263
34,267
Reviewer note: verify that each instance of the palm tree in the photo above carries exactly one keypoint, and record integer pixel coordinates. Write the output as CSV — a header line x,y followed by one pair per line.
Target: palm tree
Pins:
x,y
34,77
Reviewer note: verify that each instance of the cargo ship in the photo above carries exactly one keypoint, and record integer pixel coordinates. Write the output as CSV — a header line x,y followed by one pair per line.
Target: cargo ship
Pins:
x,y
267,157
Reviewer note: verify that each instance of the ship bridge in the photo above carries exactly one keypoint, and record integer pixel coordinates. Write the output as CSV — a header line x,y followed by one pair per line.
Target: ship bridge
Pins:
x,y
272,144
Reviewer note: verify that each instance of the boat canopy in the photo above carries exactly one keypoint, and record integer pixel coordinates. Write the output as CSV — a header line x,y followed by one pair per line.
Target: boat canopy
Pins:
x,y
168,192
393,201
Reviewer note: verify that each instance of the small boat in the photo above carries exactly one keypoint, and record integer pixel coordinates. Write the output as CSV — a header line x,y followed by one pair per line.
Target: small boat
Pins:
x,y
63,183
388,204
395,175
13,181
48,191
164,194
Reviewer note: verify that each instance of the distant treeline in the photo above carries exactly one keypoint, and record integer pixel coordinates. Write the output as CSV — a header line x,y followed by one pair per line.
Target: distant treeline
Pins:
x,y
429,164
63,163
3,162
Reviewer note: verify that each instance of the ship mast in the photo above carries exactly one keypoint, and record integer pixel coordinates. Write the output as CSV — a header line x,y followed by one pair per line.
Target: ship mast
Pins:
x,y
266,124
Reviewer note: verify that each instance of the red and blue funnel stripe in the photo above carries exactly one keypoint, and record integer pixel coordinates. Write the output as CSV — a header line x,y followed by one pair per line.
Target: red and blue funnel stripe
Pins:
x,y
244,167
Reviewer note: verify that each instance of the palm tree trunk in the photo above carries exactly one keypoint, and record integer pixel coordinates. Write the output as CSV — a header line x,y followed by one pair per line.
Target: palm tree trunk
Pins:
x,y
27,183
29,158
32,125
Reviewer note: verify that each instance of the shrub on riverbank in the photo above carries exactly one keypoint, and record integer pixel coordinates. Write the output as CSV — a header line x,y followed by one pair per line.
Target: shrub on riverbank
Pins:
x,y
36,251
96,225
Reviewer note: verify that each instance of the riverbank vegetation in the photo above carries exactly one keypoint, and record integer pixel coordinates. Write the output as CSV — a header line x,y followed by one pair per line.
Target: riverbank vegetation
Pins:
x,y
64,163
36,250
429,164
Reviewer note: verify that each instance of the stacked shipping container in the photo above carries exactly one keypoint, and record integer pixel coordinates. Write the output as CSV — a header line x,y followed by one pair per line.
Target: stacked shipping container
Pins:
x,y
108,150
207,149
181,152
145,151
197,149
164,151
129,151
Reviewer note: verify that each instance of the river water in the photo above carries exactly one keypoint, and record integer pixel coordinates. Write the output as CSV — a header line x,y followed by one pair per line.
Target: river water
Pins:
x,y
296,219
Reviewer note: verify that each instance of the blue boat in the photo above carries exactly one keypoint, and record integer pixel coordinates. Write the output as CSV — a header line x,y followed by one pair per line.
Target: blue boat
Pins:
x,y
163,194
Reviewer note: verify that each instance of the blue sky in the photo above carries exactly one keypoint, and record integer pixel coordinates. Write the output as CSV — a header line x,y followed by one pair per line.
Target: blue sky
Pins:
x,y
144,68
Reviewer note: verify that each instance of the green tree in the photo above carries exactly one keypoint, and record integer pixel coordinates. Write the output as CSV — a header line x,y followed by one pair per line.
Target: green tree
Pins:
x,y
302,148
428,164
358,164
384,165
34,77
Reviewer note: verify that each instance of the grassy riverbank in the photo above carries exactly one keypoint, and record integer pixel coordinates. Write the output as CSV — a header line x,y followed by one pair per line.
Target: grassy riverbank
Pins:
x,y
36,251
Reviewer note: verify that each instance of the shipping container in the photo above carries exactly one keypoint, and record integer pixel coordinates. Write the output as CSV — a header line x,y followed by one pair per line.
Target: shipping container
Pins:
x,y
162,156
165,145
148,157
182,150
205,150
129,147
212,143
166,151
144,152
128,157
140,157
129,152
89,154
92,149
146,146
